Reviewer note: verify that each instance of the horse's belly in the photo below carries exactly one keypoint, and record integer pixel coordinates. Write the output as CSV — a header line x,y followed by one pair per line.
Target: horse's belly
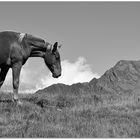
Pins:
x,y
4,53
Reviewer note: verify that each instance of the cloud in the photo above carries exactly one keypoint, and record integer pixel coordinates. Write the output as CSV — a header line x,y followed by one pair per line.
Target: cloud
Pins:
x,y
32,79
75,72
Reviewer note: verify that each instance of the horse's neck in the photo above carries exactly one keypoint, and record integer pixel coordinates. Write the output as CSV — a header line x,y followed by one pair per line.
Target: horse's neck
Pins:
x,y
37,43
38,46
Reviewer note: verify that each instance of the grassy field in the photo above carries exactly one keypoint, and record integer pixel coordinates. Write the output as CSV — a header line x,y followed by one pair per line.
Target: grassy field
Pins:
x,y
69,116
108,107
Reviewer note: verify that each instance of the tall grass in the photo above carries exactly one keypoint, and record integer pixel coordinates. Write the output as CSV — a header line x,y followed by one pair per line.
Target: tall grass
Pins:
x,y
69,116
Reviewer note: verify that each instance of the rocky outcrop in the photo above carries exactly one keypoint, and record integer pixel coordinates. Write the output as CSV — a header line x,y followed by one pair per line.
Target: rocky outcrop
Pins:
x,y
124,76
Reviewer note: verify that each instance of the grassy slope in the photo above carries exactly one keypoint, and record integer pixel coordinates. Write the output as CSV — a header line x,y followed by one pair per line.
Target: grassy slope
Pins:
x,y
69,115
107,107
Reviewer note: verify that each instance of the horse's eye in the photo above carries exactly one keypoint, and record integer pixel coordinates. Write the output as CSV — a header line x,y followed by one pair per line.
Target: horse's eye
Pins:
x,y
56,56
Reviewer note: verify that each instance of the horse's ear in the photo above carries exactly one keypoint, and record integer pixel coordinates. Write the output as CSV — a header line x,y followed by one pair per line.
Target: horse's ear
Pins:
x,y
55,46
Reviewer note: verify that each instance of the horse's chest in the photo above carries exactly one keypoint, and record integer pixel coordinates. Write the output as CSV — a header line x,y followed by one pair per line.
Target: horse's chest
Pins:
x,y
16,54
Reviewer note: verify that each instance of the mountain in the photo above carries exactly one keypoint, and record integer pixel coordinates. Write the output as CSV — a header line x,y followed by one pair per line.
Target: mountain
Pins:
x,y
121,80
106,107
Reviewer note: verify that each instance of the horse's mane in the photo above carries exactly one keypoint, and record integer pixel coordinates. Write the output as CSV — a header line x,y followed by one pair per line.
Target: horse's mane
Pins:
x,y
34,38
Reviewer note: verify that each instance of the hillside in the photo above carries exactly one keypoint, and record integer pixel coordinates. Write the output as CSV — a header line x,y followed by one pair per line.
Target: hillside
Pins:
x,y
104,107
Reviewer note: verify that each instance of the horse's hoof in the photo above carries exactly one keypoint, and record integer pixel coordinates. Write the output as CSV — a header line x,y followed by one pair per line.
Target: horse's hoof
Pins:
x,y
14,100
17,101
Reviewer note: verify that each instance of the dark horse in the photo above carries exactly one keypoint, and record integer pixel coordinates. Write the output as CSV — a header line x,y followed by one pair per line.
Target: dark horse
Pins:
x,y
16,48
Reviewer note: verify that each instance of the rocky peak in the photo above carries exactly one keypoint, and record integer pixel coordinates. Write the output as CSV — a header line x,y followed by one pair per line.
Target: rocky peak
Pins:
x,y
122,77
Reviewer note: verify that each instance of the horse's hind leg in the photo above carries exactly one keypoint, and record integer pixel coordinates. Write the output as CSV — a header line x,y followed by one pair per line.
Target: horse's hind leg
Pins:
x,y
3,73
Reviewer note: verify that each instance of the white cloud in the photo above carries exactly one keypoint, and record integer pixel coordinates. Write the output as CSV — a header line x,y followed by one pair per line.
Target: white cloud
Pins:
x,y
34,79
75,72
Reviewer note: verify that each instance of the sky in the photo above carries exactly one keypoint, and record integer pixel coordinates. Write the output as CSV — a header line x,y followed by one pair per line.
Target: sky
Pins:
x,y
94,37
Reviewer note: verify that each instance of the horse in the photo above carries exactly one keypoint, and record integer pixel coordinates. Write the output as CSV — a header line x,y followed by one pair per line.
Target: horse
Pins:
x,y
16,48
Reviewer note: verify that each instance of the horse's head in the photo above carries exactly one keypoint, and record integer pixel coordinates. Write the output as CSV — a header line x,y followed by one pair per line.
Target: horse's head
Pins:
x,y
52,60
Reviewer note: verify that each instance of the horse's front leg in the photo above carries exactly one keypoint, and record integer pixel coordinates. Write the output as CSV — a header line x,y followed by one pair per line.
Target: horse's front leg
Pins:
x,y
16,68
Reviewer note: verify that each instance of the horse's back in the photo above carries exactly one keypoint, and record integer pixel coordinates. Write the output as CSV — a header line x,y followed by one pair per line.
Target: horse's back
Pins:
x,y
6,39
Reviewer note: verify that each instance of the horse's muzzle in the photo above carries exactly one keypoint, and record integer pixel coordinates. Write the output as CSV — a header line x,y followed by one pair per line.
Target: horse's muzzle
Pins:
x,y
56,76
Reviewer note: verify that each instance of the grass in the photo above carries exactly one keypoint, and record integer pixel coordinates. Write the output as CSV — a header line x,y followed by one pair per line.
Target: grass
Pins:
x,y
69,116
